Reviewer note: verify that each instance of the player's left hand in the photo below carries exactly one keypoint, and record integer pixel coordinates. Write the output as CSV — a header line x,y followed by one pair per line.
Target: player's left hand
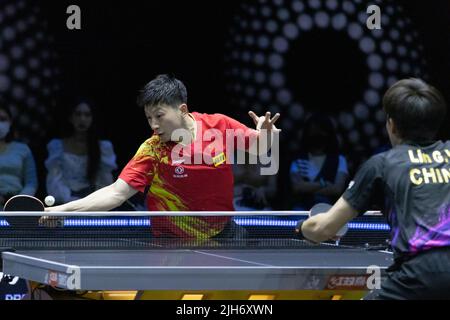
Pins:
x,y
51,221
265,122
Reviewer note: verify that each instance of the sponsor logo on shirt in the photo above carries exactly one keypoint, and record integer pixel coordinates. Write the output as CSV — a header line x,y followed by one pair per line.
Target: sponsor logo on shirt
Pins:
x,y
219,159
179,172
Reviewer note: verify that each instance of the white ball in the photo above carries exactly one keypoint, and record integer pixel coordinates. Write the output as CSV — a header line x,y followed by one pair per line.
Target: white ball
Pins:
x,y
49,201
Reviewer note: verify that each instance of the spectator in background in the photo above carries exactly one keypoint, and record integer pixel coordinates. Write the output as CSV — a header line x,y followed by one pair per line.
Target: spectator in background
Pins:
x,y
252,191
17,166
79,163
320,172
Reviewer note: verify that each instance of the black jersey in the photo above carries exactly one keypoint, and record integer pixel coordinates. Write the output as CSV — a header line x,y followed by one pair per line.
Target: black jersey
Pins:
x,y
411,185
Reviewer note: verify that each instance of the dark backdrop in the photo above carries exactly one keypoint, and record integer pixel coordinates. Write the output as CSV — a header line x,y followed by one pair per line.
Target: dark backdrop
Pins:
x,y
123,45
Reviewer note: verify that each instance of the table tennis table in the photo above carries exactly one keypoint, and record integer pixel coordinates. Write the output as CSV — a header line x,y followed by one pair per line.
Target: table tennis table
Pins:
x,y
309,268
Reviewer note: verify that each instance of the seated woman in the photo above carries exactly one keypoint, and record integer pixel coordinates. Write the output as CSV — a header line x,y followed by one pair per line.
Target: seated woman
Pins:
x,y
80,162
319,174
17,166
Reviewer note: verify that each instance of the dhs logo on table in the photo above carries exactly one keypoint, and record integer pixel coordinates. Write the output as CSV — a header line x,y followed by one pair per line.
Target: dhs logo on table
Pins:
x,y
179,173
70,279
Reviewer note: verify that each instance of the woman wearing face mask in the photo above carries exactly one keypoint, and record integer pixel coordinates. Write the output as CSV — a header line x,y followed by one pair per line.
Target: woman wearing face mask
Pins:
x,y
320,172
80,162
17,167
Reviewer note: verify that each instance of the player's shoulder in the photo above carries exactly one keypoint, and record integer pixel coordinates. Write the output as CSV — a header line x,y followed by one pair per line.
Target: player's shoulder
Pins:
x,y
443,144
150,147
153,141
211,120
376,161
380,157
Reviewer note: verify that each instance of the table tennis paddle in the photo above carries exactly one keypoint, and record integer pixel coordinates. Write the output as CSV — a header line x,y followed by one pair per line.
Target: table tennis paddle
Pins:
x,y
30,203
24,203
323,208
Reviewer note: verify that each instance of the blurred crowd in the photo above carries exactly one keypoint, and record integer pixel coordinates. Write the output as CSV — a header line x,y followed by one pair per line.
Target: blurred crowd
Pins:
x,y
78,161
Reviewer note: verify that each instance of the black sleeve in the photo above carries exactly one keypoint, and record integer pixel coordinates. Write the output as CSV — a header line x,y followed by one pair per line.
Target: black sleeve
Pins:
x,y
366,188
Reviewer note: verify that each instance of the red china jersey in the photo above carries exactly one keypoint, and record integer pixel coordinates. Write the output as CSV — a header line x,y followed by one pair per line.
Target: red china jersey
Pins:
x,y
194,177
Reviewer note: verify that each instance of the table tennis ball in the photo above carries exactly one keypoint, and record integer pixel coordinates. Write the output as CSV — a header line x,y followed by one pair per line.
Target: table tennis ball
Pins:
x,y
49,201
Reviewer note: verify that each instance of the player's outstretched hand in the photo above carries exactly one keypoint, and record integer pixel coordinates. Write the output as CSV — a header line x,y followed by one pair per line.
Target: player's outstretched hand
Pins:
x,y
265,122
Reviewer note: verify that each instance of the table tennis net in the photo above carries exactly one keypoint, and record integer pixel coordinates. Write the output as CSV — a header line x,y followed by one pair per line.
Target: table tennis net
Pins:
x,y
113,231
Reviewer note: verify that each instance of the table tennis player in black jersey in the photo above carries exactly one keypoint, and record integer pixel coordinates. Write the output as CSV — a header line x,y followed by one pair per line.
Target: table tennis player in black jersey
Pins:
x,y
411,183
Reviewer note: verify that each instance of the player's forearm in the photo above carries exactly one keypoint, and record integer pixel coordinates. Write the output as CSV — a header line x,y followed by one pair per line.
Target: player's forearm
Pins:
x,y
324,226
104,199
316,229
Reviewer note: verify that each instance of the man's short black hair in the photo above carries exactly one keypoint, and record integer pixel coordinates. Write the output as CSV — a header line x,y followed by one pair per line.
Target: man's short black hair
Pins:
x,y
417,109
164,89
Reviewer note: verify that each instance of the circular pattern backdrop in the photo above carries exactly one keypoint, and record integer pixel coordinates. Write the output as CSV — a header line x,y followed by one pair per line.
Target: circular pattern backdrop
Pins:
x,y
27,68
262,54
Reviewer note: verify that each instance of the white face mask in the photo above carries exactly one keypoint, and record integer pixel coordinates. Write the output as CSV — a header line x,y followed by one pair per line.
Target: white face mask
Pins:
x,y
5,126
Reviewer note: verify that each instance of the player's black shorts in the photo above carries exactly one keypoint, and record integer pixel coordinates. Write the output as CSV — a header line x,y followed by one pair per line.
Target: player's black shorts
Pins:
x,y
426,276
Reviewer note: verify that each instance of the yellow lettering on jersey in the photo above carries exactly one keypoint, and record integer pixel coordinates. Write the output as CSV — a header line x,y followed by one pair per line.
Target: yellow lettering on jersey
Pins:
x,y
439,176
412,158
437,156
412,175
429,174
426,158
446,174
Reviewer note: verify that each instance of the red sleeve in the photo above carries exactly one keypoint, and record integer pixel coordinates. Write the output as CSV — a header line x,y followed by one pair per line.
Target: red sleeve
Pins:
x,y
243,133
138,173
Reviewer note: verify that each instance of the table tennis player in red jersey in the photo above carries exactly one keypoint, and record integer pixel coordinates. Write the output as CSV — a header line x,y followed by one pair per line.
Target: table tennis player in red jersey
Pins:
x,y
183,166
